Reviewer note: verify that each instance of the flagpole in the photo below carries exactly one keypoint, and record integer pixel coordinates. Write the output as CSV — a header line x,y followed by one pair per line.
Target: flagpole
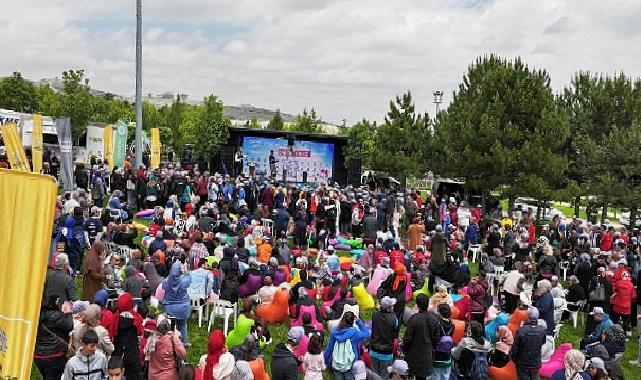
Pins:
x,y
138,83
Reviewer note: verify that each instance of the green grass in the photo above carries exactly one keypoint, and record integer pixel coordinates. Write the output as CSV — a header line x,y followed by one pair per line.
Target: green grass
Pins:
x,y
199,336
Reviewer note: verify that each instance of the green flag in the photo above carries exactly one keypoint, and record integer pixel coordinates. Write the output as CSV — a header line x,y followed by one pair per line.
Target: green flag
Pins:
x,y
120,143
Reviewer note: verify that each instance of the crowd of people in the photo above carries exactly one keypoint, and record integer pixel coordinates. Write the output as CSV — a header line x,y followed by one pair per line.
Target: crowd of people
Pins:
x,y
322,260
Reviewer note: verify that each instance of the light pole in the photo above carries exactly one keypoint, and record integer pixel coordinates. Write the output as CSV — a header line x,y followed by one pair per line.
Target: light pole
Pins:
x,y
438,99
138,83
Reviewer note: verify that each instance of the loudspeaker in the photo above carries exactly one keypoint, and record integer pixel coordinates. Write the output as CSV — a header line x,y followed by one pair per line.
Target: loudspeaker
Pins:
x,y
284,175
304,177
227,159
290,140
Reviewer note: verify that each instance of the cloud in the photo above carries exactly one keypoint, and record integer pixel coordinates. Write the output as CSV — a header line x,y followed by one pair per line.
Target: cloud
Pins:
x,y
347,58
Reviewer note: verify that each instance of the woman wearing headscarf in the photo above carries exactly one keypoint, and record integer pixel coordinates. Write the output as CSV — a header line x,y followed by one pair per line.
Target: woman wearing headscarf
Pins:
x,y
394,287
152,276
91,321
176,301
162,351
230,271
94,277
125,329
218,364
573,367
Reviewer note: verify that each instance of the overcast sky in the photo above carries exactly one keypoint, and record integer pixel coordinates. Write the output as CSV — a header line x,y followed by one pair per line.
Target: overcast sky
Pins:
x,y
347,58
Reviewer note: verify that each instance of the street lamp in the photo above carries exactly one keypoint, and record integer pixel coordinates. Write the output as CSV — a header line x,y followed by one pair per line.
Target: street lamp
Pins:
x,y
138,83
438,99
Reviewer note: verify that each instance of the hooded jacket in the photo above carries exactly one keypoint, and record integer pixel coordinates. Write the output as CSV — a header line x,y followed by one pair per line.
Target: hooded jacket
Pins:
x,y
284,364
602,326
356,334
82,367
176,301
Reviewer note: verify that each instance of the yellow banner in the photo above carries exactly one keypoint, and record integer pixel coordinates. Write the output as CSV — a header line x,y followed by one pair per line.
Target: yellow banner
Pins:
x,y
108,141
15,150
36,144
28,203
155,148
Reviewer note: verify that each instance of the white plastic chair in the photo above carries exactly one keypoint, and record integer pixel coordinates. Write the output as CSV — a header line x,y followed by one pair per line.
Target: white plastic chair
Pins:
x,y
497,275
564,265
575,314
223,309
268,223
197,307
475,249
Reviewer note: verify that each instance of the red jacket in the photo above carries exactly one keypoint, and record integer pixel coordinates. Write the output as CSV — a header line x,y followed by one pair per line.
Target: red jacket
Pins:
x,y
396,257
378,258
621,300
476,291
532,234
606,241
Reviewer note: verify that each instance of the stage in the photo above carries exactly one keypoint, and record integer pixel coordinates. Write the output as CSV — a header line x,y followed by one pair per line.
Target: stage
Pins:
x,y
302,158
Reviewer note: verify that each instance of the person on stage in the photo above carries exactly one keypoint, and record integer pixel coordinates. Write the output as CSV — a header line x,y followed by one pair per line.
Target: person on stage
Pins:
x,y
238,162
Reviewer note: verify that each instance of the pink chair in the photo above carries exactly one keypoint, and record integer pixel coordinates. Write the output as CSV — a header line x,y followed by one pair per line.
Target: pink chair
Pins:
x,y
377,279
556,361
312,311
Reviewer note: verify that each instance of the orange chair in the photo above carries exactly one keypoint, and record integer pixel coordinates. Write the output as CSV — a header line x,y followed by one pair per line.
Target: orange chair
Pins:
x,y
505,373
459,330
277,311
516,319
258,369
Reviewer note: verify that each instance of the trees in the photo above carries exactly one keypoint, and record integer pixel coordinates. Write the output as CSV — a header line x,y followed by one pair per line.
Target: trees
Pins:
x,y
504,129
77,101
399,142
212,130
173,116
253,123
151,117
360,142
307,122
110,110
18,94
276,123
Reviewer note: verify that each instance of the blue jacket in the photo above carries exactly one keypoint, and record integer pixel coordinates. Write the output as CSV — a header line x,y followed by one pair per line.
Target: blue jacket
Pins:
x,y
176,301
472,234
545,304
355,334
604,325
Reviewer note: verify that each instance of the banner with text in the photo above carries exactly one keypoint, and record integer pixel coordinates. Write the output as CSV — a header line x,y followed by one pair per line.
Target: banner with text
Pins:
x,y
63,126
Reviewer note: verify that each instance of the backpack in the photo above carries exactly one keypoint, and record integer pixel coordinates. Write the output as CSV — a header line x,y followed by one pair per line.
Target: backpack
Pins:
x,y
445,343
480,369
343,356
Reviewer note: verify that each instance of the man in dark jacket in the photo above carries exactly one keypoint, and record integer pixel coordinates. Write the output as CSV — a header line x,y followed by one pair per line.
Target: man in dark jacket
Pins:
x,y
281,220
526,350
284,364
59,282
369,228
381,343
421,335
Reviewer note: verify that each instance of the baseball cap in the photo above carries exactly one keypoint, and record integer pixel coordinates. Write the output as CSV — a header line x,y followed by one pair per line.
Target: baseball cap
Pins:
x,y
359,371
533,313
295,335
399,367
597,310
388,302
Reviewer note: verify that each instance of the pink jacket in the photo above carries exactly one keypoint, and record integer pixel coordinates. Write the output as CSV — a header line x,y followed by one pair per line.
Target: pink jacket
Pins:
x,y
162,365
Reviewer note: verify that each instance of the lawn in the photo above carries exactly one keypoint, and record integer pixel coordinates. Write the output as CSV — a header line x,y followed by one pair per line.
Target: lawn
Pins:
x,y
199,336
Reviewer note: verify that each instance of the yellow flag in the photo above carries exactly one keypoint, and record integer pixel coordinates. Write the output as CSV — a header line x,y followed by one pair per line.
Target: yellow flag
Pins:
x,y
28,203
108,141
36,143
15,150
155,148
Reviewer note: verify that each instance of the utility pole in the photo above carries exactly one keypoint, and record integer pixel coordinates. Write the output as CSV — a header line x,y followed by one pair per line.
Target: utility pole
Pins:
x,y
138,83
